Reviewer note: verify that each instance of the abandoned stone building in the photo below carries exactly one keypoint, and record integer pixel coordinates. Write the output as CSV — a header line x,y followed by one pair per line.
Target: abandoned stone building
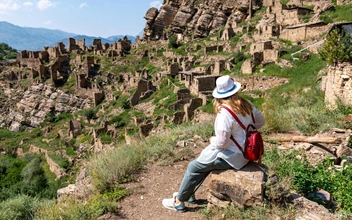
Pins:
x,y
264,52
304,31
76,45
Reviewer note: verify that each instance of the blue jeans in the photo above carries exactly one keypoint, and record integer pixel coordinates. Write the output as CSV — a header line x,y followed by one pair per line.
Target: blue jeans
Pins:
x,y
195,175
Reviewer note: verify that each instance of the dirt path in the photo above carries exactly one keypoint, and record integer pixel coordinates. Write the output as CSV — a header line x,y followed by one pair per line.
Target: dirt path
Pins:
x,y
156,183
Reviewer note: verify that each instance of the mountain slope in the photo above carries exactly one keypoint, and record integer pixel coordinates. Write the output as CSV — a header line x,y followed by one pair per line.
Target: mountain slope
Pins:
x,y
26,38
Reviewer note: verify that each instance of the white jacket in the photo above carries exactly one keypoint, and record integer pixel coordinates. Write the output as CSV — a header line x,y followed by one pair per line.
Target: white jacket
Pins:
x,y
221,146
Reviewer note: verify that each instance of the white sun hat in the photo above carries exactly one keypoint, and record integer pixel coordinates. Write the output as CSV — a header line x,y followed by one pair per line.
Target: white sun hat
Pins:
x,y
225,87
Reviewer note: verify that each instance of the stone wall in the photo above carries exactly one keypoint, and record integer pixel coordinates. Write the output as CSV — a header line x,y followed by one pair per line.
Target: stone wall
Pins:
x,y
343,2
301,32
291,17
338,85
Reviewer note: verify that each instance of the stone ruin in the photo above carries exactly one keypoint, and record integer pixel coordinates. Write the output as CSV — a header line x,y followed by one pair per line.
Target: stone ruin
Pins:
x,y
337,85
76,45
58,67
303,31
118,48
144,90
51,62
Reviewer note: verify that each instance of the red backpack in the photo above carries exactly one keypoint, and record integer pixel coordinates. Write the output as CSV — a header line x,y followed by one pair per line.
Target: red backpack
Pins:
x,y
254,146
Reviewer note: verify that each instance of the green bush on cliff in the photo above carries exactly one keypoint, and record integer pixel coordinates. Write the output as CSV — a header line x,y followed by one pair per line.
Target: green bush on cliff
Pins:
x,y
173,42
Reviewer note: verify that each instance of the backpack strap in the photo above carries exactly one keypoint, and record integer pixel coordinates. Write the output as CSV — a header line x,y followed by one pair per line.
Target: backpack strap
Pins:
x,y
235,116
238,145
238,121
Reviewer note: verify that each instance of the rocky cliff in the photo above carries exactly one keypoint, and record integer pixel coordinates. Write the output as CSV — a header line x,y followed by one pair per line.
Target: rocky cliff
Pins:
x,y
196,18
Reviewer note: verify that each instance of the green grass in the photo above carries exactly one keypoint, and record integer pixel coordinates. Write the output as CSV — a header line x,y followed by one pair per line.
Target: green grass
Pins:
x,y
341,13
209,108
300,102
70,84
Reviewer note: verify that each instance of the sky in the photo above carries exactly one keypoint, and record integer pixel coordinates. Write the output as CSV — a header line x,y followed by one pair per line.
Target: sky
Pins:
x,y
98,18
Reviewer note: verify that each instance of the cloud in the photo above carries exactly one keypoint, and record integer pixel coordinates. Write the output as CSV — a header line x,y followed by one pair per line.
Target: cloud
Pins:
x,y
82,5
156,4
28,4
45,4
48,22
8,5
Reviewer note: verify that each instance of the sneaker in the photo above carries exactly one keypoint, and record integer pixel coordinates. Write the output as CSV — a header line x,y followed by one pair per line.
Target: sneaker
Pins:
x,y
191,200
170,204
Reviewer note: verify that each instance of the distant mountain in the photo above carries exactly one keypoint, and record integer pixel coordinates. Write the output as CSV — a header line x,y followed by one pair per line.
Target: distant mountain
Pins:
x,y
34,39
26,38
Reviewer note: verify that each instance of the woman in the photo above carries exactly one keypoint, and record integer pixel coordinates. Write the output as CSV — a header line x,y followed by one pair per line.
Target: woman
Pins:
x,y
222,153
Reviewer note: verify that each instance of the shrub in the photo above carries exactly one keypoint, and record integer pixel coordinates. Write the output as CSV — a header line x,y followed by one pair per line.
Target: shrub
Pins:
x,y
306,178
337,47
239,56
54,119
33,178
20,207
89,113
10,176
105,138
173,42
70,209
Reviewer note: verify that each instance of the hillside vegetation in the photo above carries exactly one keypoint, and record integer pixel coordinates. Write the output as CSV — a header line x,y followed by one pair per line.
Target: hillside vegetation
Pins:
x,y
28,188
7,52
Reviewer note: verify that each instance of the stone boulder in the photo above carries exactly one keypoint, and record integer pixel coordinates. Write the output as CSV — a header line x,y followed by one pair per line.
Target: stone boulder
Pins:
x,y
307,209
75,128
81,190
182,18
243,188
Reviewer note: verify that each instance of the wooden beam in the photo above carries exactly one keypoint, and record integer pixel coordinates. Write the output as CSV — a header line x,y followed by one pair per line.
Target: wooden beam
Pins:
x,y
327,140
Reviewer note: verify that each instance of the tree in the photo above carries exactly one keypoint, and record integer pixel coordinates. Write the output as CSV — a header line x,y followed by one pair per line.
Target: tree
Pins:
x,y
337,47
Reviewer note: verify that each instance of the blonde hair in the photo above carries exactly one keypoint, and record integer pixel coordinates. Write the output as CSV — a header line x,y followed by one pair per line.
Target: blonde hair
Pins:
x,y
237,103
